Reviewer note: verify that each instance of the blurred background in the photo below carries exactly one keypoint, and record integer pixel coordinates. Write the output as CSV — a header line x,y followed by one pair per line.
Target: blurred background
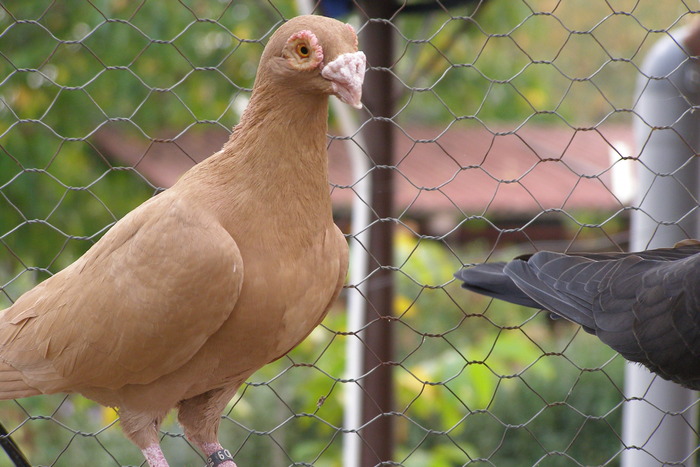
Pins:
x,y
492,128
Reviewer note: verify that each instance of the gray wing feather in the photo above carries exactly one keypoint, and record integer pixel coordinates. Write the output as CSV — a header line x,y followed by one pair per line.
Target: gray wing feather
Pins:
x,y
645,305
488,279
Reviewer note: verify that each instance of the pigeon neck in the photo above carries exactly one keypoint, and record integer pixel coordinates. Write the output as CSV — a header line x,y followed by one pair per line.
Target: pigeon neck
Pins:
x,y
284,134
276,156
288,114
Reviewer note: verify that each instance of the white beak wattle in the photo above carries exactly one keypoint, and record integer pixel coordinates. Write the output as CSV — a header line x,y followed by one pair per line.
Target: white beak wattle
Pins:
x,y
347,73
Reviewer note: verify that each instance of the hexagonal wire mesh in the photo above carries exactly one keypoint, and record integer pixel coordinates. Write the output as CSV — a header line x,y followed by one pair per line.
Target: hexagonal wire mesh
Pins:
x,y
511,125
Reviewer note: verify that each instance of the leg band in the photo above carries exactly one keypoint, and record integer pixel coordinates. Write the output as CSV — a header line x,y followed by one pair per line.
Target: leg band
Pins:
x,y
219,457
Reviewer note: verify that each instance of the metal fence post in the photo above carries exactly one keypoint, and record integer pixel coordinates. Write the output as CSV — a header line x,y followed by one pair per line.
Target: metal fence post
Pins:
x,y
658,422
378,433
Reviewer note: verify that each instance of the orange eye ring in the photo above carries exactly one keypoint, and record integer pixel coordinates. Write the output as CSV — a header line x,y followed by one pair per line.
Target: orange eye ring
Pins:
x,y
303,50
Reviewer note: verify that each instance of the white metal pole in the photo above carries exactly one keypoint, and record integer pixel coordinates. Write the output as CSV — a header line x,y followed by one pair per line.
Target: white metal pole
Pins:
x,y
357,308
658,420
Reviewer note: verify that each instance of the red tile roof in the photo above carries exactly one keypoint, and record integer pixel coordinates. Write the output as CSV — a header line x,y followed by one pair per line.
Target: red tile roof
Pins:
x,y
481,171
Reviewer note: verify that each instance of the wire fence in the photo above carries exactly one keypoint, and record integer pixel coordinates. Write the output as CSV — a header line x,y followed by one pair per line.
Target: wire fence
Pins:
x,y
512,131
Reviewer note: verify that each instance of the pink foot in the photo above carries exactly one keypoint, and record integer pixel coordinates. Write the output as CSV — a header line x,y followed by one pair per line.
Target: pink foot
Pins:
x,y
154,456
217,456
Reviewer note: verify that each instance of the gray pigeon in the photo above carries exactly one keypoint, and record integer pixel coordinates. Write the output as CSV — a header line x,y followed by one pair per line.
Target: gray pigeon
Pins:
x,y
645,305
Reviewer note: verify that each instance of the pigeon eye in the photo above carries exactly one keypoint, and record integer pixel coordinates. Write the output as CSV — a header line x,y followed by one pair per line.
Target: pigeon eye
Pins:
x,y
303,50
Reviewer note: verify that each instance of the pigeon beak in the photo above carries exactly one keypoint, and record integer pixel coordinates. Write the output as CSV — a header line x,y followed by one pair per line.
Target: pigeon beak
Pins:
x,y
346,74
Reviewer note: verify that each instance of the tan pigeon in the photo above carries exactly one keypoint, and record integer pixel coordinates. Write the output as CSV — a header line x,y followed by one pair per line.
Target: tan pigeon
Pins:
x,y
197,288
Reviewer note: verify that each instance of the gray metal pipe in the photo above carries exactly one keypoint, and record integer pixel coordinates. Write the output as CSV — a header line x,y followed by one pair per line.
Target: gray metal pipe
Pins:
x,y
658,420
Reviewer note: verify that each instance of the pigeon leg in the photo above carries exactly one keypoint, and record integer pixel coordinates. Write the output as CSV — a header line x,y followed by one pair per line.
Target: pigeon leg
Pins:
x,y
217,456
200,417
142,429
154,456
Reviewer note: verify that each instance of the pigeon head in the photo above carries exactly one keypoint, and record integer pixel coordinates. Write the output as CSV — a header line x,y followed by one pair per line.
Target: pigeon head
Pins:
x,y
315,55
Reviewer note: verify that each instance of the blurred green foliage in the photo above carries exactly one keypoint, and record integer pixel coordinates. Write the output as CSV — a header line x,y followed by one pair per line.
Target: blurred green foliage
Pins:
x,y
572,63
69,70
